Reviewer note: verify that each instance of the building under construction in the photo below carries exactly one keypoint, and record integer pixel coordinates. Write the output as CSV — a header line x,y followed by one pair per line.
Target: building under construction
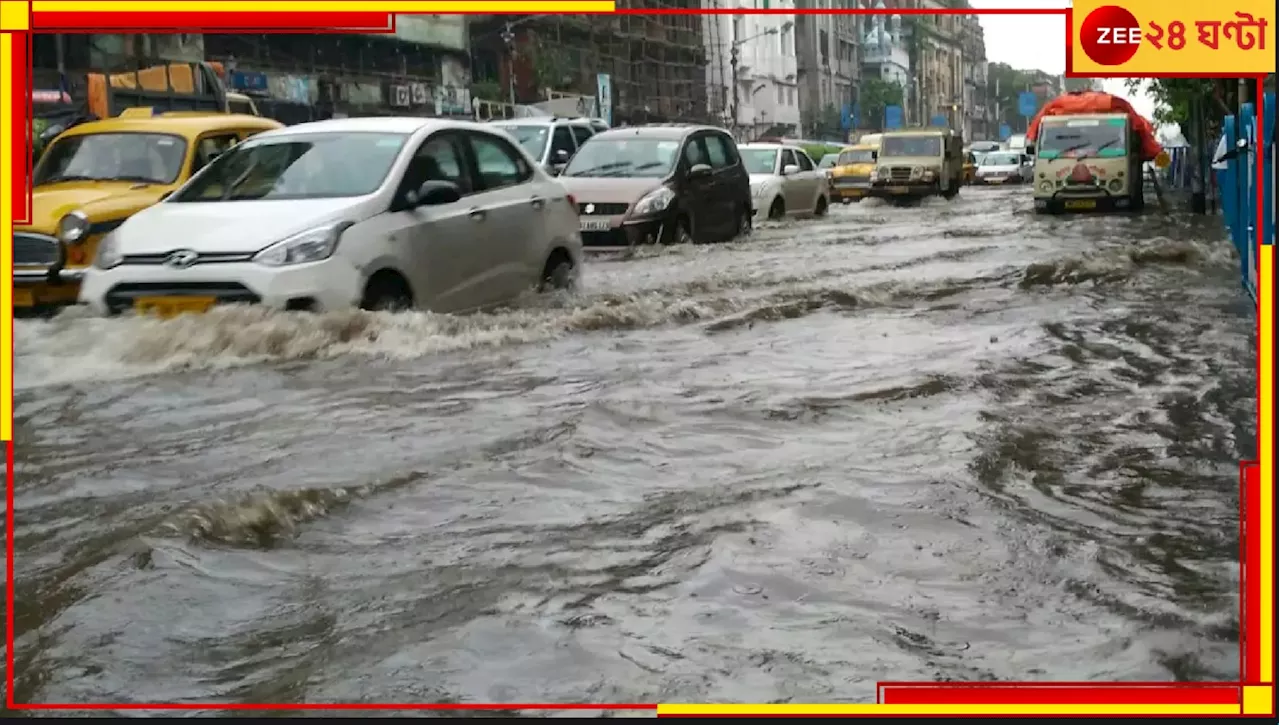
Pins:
x,y
656,63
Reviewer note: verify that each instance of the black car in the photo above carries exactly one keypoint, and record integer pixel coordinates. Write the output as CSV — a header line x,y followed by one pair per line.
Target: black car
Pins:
x,y
665,183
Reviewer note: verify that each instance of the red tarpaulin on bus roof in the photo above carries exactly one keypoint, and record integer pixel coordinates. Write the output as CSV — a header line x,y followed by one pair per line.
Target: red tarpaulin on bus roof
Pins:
x,y
1075,102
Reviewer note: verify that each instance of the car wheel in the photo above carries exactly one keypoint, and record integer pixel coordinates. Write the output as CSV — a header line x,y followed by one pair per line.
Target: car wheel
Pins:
x,y
557,273
387,291
777,209
682,234
821,209
744,223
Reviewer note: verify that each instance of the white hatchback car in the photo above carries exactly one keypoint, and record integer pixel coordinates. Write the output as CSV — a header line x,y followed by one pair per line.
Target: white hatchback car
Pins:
x,y
378,213
784,181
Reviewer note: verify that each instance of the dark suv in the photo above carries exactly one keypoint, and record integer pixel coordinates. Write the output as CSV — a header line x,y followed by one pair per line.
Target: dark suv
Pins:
x,y
664,183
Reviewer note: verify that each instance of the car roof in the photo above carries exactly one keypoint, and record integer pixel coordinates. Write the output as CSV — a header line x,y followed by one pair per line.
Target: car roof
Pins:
x,y
539,120
377,124
184,125
767,146
671,131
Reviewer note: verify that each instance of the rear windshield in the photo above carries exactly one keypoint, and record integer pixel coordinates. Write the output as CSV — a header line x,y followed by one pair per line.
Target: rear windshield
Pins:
x,y
1001,159
857,156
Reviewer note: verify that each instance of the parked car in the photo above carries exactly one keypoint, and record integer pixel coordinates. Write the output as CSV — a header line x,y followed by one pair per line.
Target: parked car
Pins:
x,y
827,164
1004,167
784,181
551,141
665,183
378,213
95,175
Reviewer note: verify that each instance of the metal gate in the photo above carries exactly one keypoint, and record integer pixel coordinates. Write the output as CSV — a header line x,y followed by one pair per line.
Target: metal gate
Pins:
x,y
1248,145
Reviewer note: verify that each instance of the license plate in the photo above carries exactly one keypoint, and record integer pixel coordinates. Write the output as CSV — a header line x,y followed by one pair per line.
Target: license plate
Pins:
x,y
898,190
595,225
850,192
1088,204
172,306
23,297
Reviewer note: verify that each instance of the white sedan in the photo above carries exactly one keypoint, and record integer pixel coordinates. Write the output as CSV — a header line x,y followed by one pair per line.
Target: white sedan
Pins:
x,y
784,181
378,213
1003,167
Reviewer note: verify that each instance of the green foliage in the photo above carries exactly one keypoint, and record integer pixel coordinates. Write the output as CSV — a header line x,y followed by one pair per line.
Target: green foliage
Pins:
x,y
488,90
878,94
1174,96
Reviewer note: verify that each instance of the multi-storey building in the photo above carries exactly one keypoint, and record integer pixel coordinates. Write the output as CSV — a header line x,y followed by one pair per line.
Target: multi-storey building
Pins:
x,y
884,54
655,63
975,107
937,91
751,70
827,64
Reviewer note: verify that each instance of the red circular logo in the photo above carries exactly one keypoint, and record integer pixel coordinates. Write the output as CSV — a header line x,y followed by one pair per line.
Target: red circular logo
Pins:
x,y
1110,35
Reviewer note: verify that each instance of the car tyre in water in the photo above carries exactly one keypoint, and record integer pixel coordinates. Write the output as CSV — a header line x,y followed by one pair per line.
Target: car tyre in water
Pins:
x,y
777,209
558,273
744,223
387,291
821,209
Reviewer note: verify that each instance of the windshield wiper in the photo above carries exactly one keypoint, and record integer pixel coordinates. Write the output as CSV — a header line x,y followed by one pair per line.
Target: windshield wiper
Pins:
x,y
1096,151
138,179
56,179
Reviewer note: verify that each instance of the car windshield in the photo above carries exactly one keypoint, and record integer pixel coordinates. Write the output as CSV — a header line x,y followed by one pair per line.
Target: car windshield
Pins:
x,y
1083,137
305,166
624,157
911,146
1000,160
857,156
759,161
148,158
828,161
532,137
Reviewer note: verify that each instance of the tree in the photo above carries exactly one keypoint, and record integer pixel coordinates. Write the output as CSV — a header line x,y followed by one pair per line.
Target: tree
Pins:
x,y
876,95
1174,97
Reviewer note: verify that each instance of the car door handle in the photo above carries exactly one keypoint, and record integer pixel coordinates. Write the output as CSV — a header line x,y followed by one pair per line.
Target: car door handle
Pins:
x,y
537,202
477,214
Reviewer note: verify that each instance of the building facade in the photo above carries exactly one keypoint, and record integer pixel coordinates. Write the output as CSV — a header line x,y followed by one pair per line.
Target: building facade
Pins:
x,y
938,91
828,68
655,63
976,103
884,52
751,70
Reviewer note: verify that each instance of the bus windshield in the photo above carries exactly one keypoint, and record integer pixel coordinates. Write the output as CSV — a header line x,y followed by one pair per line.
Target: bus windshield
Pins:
x,y
1083,137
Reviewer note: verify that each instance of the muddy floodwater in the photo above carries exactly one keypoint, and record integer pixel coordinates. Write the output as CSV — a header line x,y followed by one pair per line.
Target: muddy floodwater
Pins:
x,y
958,441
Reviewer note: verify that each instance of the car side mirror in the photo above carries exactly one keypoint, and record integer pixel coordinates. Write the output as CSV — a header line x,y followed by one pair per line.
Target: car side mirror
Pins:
x,y
790,169
698,171
431,193
1242,147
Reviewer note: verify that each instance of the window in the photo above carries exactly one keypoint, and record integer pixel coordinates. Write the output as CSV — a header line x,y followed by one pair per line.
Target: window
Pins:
x,y
531,136
760,161
791,96
298,166
438,159
146,157
717,152
241,105
581,134
782,97
562,140
499,164
788,158
694,153
806,163
210,148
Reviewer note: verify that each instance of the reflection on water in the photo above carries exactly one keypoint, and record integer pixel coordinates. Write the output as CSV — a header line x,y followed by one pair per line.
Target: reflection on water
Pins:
x,y
952,442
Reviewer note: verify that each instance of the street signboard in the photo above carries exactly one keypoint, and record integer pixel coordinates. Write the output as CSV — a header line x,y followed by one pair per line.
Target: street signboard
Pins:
x,y
938,120
1028,104
1005,132
846,116
892,117
604,96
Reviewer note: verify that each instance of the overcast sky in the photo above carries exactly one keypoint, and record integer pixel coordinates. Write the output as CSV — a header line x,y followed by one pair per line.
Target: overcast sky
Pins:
x,y
1039,41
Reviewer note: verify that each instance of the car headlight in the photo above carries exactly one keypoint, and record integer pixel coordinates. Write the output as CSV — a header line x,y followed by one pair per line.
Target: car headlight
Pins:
x,y
655,201
1115,184
917,172
312,245
73,227
929,174
108,253
1046,186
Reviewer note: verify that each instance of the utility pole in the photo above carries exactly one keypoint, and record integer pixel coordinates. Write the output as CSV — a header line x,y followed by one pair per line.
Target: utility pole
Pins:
x,y
509,40
733,78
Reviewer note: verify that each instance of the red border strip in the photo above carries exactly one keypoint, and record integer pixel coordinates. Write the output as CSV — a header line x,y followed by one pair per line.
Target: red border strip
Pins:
x,y
1008,693
173,21
20,97
1251,602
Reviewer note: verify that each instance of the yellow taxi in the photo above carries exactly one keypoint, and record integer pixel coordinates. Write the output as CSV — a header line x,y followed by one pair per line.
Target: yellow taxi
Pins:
x,y
851,177
95,175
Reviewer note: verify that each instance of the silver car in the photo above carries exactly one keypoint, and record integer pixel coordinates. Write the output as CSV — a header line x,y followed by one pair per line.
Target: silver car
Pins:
x,y
378,213
1003,167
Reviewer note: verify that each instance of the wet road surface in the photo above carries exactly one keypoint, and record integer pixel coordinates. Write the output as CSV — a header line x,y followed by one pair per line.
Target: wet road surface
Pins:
x,y
952,442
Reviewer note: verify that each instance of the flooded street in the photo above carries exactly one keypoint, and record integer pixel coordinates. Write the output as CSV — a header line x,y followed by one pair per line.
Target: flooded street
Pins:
x,y
956,442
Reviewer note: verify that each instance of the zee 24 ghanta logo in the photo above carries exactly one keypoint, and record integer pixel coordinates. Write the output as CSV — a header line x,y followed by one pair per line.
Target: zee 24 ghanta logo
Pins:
x,y
1111,35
